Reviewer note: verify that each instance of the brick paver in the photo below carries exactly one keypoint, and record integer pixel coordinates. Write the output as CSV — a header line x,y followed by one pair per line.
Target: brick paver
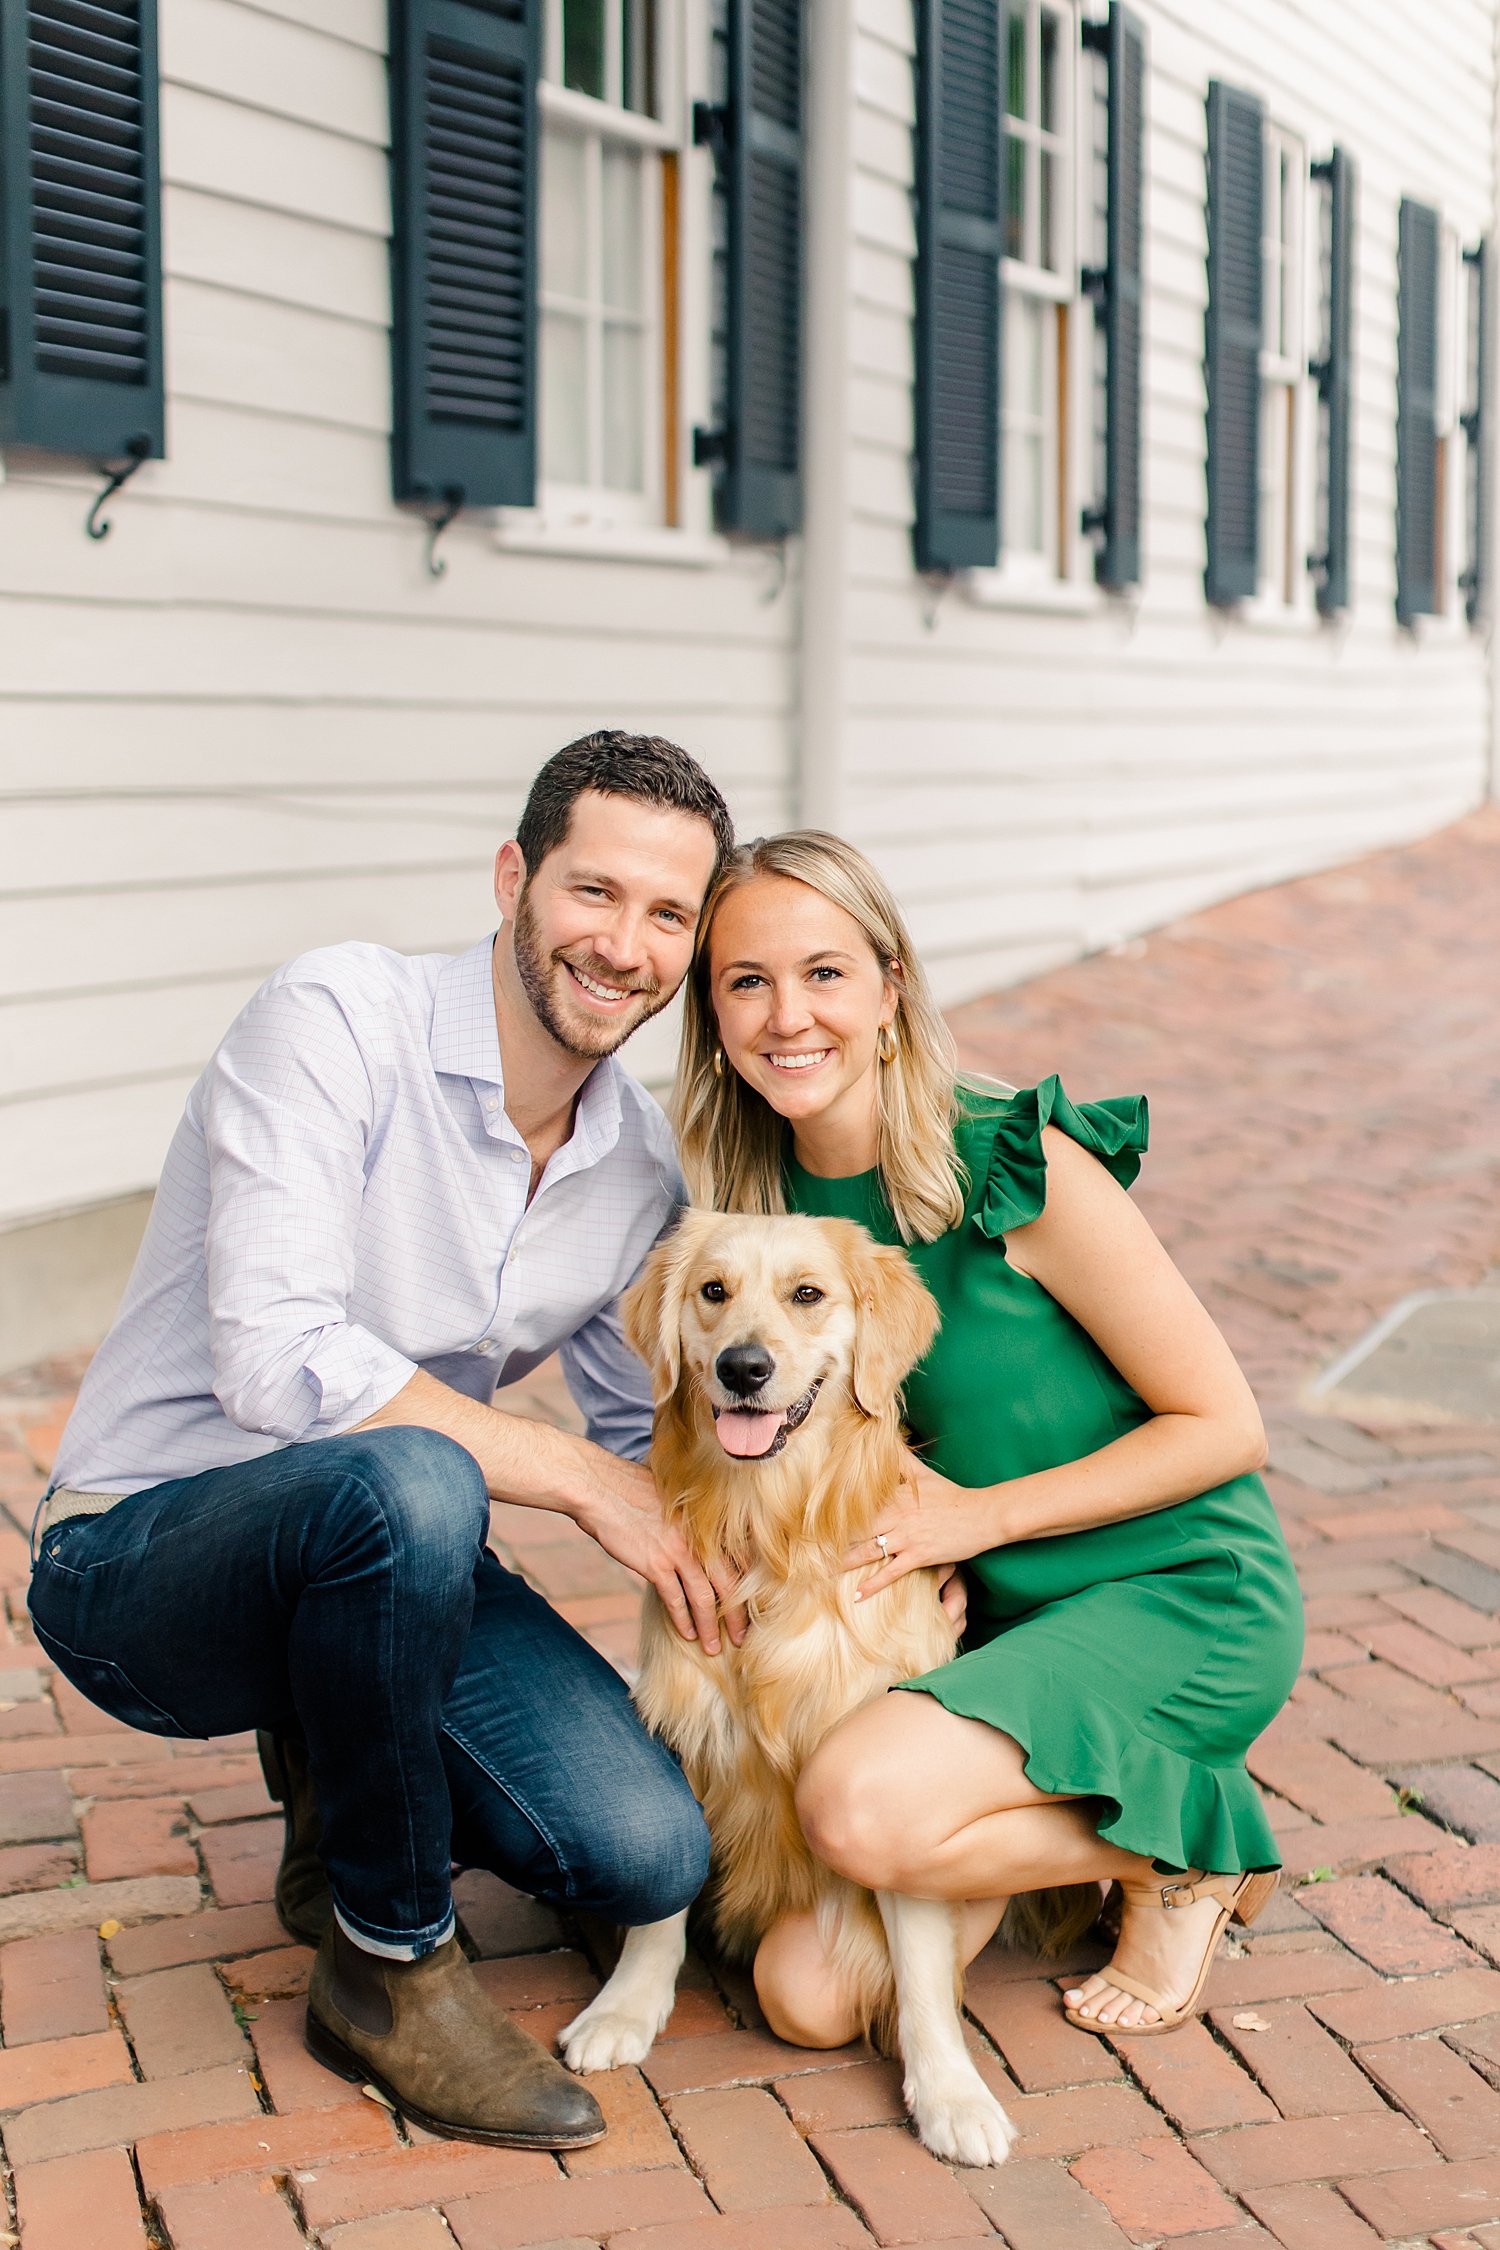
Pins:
x,y
1323,1062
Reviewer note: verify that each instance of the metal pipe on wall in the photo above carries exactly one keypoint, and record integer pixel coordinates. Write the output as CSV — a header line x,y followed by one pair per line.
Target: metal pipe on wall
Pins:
x,y
827,288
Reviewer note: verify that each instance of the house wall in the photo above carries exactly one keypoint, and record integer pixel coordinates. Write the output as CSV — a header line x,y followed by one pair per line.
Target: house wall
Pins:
x,y
249,722
1041,782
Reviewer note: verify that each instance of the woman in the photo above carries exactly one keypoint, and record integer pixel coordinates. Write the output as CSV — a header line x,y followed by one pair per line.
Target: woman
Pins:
x,y
1087,1448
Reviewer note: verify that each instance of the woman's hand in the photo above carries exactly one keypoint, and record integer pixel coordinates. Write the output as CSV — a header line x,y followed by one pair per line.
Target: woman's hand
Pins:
x,y
953,1597
932,1524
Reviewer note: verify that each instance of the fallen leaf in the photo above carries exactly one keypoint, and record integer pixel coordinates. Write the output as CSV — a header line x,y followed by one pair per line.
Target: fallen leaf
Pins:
x,y
376,2096
1248,2020
109,1929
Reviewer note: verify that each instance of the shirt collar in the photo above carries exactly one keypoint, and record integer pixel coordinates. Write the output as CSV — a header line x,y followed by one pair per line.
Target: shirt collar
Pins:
x,y
465,1042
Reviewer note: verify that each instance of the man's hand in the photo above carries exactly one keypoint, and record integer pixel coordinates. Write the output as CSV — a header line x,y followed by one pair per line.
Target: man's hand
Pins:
x,y
625,1516
615,1501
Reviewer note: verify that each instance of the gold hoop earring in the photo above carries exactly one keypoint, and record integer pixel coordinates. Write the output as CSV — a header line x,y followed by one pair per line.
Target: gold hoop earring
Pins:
x,y
718,1062
885,1043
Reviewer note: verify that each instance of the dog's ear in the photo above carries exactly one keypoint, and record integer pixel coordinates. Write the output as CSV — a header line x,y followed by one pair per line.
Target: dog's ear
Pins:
x,y
651,1309
896,1320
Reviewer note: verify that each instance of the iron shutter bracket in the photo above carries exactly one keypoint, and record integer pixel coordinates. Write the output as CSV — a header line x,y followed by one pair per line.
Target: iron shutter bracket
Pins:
x,y
137,450
437,524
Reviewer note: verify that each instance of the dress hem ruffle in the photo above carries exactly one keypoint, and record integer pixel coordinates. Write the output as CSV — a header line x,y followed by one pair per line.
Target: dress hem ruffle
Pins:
x,y
1158,1803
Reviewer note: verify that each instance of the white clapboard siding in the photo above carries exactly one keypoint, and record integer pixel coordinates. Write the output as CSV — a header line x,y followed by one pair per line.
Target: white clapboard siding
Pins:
x,y
1089,772
72,1150
195,745
250,723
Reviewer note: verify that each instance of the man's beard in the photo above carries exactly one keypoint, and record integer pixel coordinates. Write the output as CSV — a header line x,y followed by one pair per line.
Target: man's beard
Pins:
x,y
586,1039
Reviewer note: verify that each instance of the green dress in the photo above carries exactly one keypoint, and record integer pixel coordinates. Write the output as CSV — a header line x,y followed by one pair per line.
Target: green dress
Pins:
x,y
1134,1663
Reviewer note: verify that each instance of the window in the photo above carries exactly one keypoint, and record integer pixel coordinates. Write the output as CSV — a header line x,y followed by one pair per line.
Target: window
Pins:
x,y
609,261
1286,405
1040,273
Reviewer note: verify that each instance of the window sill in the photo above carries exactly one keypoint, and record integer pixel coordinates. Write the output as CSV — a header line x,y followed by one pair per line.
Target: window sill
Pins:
x,y
1057,597
522,532
1288,619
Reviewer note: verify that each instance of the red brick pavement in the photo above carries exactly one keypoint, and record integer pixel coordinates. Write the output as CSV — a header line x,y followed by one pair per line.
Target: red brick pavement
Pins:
x,y
1323,1061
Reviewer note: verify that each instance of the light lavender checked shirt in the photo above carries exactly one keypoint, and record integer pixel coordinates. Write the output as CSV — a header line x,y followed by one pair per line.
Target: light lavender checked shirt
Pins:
x,y
344,1202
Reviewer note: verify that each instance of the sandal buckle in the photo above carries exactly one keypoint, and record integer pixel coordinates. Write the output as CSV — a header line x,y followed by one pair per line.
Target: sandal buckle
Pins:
x,y
1169,1897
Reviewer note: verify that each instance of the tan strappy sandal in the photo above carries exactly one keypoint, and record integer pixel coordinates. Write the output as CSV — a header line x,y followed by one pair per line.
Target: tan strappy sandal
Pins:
x,y
1240,1897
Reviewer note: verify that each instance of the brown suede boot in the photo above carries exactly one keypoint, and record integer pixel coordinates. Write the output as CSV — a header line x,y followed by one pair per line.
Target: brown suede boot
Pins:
x,y
303,1899
427,2036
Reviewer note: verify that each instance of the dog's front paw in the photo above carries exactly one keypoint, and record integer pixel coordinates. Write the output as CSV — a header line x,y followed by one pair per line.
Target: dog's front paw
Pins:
x,y
605,2038
961,2121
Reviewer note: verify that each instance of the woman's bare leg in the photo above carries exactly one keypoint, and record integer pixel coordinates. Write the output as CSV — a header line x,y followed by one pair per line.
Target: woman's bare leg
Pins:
x,y
906,1796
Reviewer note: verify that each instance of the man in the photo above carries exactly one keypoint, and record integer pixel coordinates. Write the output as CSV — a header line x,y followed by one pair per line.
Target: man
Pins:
x,y
399,1184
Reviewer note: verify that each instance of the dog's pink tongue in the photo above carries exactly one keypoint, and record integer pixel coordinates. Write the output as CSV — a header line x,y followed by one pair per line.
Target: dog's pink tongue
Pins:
x,y
747,1436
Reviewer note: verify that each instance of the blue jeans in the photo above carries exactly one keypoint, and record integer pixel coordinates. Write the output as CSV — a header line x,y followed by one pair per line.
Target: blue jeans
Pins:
x,y
449,1712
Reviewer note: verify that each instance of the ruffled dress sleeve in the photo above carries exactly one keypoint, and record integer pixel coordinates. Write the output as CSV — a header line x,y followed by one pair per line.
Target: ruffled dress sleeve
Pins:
x,y
1015,1186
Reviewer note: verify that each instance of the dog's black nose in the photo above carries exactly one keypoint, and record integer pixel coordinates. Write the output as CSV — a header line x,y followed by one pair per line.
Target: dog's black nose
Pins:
x,y
744,1367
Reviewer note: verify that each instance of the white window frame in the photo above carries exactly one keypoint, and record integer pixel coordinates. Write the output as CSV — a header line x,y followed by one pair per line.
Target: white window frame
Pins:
x,y
1061,576
590,521
1287,498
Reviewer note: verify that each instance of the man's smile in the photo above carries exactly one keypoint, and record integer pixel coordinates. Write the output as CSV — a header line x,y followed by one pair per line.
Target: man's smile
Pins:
x,y
608,995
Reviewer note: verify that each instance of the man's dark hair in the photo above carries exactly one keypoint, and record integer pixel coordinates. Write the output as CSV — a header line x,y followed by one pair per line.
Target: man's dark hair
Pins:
x,y
642,766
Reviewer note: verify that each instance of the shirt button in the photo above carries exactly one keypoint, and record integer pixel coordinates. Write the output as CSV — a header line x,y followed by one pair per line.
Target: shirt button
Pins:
x,y
485,1344
518,1156
492,1103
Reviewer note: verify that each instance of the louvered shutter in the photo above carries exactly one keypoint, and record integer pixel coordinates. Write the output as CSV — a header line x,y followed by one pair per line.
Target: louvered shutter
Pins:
x,y
1416,411
464,172
1479,465
81,357
960,238
1119,558
1233,339
756,137
1335,380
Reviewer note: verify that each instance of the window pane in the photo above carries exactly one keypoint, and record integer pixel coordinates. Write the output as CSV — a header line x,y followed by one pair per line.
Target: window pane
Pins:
x,y
583,46
1028,423
564,241
639,56
565,449
1015,69
1015,198
1047,209
623,245
1051,115
624,410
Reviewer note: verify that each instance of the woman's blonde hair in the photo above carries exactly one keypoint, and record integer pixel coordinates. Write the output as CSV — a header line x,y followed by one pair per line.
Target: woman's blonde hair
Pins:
x,y
732,1142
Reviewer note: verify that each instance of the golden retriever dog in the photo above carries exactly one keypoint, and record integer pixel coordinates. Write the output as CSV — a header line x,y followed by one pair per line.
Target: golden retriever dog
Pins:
x,y
778,1348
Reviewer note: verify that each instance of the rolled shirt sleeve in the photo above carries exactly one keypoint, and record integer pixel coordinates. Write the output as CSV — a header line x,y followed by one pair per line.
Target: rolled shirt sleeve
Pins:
x,y
287,1115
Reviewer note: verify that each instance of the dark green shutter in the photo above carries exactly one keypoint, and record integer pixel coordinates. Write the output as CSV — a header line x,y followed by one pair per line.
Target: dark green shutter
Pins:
x,y
1117,298
1233,339
81,354
463,260
960,238
1477,464
1416,411
756,137
1335,379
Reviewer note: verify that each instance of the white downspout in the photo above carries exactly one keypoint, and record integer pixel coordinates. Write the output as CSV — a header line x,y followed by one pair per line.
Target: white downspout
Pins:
x,y
828,283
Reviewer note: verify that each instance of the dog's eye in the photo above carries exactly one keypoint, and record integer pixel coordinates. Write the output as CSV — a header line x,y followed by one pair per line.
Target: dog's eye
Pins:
x,y
713,1292
807,1295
